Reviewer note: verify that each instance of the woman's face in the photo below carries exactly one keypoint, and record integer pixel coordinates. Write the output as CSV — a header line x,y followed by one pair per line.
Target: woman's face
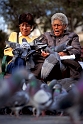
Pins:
x,y
58,27
25,28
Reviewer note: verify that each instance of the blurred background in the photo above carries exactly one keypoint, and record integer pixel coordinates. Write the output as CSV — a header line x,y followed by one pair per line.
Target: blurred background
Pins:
x,y
42,11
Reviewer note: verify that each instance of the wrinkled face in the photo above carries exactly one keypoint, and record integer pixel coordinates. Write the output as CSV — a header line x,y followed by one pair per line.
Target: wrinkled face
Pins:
x,y
58,27
25,28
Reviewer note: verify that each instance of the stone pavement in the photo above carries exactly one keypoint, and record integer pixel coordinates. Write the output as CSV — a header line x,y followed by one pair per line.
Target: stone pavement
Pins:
x,y
30,119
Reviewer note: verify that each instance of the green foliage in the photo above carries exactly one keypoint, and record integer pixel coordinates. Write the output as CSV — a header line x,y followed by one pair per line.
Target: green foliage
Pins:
x,y
43,10
74,11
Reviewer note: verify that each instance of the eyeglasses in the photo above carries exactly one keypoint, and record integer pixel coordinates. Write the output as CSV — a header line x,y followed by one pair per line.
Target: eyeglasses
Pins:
x,y
57,25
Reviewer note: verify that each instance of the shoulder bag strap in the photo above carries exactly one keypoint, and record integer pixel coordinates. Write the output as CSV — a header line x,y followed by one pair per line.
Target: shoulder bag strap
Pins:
x,y
17,37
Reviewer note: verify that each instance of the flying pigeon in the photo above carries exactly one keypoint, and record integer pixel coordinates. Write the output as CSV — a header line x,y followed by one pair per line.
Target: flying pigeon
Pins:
x,y
49,64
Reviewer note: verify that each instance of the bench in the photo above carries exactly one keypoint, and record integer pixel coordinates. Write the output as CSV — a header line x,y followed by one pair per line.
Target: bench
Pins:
x,y
81,58
5,60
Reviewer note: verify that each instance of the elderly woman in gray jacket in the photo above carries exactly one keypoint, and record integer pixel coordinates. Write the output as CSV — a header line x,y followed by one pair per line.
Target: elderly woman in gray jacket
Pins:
x,y
59,35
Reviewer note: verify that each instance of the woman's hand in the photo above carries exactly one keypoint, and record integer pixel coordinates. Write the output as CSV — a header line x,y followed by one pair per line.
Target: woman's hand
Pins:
x,y
62,53
44,54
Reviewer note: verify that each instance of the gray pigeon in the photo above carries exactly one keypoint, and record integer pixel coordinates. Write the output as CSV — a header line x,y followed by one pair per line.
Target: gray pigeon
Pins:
x,y
49,63
35,92
58,93
39,98
13,45
19,100
10,85
72,103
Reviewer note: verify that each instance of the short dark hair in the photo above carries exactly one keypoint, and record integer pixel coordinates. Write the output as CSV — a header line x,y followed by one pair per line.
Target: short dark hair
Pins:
x,y
26,17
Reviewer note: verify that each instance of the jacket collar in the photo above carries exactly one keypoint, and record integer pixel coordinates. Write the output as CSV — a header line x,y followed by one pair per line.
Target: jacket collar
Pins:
x,y
20,34
65,33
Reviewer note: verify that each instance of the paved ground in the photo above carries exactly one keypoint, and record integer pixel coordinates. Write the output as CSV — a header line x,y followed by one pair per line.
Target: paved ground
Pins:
x,y
29,119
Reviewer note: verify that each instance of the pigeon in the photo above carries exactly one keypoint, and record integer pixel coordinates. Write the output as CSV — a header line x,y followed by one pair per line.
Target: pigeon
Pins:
x,y
65,82
13,45
39,98
35,91
72,103
58,93
48,65
9,85
50,62
18,101
64,46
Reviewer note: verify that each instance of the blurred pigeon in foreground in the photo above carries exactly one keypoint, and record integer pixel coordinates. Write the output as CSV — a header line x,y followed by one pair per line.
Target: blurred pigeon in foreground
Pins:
x,y
35,92
72,103
39,98
9,85
19,100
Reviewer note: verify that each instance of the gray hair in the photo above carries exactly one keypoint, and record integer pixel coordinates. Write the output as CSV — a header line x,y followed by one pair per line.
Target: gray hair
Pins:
x,y
60,16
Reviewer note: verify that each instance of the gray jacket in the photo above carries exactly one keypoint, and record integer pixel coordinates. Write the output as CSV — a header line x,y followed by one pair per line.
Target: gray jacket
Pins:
x,y
52,41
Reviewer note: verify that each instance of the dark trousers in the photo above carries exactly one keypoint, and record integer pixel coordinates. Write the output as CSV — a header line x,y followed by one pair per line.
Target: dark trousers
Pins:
x,y
18,63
